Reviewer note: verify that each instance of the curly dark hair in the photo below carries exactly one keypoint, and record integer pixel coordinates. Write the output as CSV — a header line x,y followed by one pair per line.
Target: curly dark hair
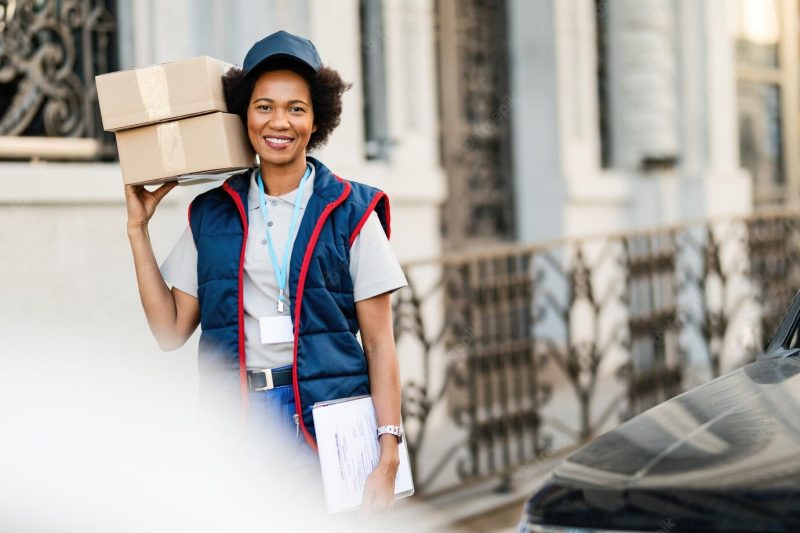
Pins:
x,y
326,87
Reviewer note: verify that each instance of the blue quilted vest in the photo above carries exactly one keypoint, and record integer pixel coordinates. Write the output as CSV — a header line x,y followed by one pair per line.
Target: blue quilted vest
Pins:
x,y
329,363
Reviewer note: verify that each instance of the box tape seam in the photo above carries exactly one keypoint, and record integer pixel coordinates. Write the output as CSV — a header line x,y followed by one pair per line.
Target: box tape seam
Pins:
x,y
154,89
170,144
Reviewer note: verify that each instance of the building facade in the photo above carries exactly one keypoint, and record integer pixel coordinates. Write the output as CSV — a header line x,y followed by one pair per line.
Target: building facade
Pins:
x,y
488,122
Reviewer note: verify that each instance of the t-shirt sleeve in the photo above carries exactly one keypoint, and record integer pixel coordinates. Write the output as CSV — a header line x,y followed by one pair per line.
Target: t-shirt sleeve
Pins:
x,y
179,269
373,265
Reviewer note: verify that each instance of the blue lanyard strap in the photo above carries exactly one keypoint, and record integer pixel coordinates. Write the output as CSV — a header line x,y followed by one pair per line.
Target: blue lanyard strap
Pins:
x,y
282,270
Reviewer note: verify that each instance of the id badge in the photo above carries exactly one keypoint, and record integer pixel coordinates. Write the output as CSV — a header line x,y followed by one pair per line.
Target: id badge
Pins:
x,y
276,329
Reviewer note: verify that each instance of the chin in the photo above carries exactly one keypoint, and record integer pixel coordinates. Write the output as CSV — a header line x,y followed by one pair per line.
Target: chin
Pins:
x,y
279,160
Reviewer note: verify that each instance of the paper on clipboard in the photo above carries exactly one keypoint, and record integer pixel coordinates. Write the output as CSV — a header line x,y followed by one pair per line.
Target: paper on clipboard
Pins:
x,y
349,451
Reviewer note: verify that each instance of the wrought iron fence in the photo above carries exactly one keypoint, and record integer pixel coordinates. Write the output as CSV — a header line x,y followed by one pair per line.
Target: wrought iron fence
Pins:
x,y
521,353
50,52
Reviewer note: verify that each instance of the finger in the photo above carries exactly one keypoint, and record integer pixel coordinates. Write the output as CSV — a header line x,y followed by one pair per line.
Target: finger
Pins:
x,y
363,513
378,506
382,503
162,191
366,503
132,190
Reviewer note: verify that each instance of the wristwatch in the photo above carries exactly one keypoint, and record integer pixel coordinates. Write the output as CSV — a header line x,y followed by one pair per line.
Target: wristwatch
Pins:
x,y
397,431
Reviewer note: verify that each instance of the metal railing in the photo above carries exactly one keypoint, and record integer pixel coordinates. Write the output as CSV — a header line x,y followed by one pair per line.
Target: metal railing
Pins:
x,y
521,353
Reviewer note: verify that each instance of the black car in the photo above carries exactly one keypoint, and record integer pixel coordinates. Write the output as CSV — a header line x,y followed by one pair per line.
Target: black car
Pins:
x,y
724,456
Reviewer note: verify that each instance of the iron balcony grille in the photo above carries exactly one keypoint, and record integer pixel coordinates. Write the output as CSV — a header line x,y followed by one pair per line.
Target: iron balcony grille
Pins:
x,y
50,52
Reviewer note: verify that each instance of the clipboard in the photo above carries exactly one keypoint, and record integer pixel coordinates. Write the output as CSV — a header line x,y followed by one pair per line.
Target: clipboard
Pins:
x,y
349,450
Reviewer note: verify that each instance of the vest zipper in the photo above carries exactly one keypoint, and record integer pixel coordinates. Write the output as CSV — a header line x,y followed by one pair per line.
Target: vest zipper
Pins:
x,y
296,308
296,418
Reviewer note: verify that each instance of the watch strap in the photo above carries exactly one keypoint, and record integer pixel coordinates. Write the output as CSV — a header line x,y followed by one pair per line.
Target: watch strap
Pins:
x,y
397,431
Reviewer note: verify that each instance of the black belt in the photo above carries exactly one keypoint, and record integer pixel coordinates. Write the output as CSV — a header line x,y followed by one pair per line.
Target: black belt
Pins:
x,y
261,380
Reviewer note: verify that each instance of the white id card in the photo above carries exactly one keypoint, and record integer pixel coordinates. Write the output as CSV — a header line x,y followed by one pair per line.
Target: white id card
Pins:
x,y
276,329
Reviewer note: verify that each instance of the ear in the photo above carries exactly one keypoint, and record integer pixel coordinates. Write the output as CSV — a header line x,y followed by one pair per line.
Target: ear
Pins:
x,y
314,128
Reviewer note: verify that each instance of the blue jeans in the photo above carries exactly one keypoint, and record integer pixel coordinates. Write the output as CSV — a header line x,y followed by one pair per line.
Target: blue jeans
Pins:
x,y
271,414
274,410
271,434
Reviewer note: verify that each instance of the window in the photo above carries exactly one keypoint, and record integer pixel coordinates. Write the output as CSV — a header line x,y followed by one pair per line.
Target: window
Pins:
x,y
50,52
768,95
601,25
373,64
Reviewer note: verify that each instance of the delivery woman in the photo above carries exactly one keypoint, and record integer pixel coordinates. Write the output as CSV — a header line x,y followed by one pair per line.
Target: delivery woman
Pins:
x,y
283,265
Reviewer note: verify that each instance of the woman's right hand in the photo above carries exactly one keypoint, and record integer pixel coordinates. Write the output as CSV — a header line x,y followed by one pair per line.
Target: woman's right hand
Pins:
x,y
142,203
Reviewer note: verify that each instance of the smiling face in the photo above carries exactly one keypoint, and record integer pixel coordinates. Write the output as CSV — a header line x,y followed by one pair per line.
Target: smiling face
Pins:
x,y
280,119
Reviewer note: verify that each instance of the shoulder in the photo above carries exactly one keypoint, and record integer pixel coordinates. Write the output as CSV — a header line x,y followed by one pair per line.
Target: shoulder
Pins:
x,y
209,196
364,201
216,200
359,196
364,196
238,182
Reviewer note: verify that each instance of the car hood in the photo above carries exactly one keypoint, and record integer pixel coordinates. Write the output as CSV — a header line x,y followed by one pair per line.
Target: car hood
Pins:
x,y
724,456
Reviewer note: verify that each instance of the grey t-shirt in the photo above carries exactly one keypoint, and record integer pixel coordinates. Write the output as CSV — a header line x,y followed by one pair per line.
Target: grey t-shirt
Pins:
x,y
373,267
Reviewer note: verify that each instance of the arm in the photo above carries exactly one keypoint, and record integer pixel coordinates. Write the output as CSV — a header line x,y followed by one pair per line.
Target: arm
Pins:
x,y
375,321
171,314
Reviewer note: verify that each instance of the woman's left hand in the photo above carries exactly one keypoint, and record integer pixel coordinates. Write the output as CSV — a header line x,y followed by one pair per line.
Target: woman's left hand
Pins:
x,y
379,489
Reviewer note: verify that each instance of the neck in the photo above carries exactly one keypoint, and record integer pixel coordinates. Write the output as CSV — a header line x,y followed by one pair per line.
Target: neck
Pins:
x,y
281,179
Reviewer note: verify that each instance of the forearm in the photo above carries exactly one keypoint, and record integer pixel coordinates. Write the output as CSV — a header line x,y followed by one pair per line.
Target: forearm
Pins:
x,y
157,299
384,378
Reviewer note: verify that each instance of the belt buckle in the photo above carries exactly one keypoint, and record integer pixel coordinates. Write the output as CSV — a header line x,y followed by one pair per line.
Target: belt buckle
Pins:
x,y
268,375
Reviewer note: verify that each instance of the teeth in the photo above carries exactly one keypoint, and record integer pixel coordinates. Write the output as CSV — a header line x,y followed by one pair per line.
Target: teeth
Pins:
x,y
277,141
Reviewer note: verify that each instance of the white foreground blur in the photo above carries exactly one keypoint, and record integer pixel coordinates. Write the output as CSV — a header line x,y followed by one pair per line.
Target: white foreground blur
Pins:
x,y
87,448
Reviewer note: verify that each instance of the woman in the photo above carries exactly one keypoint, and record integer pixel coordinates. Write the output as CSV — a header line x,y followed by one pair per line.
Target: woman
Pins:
x,y
283,264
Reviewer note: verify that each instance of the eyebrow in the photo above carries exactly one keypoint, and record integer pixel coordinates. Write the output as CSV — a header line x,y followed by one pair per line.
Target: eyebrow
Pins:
x,y
270,100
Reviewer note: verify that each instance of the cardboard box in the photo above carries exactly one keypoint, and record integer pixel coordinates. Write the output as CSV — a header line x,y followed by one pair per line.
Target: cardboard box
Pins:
x,y
138,97
214,143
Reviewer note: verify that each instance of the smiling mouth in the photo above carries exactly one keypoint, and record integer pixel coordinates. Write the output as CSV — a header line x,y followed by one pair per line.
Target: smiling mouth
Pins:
x,y
278,140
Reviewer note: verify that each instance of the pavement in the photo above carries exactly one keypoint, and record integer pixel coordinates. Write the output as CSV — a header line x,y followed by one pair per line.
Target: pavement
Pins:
x,y
502,520
480,508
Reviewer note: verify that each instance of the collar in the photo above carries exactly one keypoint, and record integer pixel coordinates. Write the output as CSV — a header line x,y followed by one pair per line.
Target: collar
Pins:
x,y
327,186
288,198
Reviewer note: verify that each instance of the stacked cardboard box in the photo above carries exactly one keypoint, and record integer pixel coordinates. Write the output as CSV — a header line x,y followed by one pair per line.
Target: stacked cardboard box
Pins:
x,y
171,122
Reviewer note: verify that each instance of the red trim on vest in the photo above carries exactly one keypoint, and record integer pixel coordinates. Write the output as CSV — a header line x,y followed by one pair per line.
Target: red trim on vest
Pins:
x,y
242,360
370,208
388,215
301,282
189,213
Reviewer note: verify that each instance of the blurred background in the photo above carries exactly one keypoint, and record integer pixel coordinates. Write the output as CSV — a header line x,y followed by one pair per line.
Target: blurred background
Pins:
x,y
594,202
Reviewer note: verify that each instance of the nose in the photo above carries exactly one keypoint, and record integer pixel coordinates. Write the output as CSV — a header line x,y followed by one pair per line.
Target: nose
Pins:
x,y
279,120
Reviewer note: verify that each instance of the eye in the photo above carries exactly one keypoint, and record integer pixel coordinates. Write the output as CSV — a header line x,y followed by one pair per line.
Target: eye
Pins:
x,y
264,107
296,109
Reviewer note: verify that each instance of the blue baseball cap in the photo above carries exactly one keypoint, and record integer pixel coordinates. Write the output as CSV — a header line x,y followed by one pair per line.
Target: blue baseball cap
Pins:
x,y
284,45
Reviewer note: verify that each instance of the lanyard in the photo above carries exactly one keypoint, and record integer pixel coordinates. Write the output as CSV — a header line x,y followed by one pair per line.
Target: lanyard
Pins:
x,y
282,271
